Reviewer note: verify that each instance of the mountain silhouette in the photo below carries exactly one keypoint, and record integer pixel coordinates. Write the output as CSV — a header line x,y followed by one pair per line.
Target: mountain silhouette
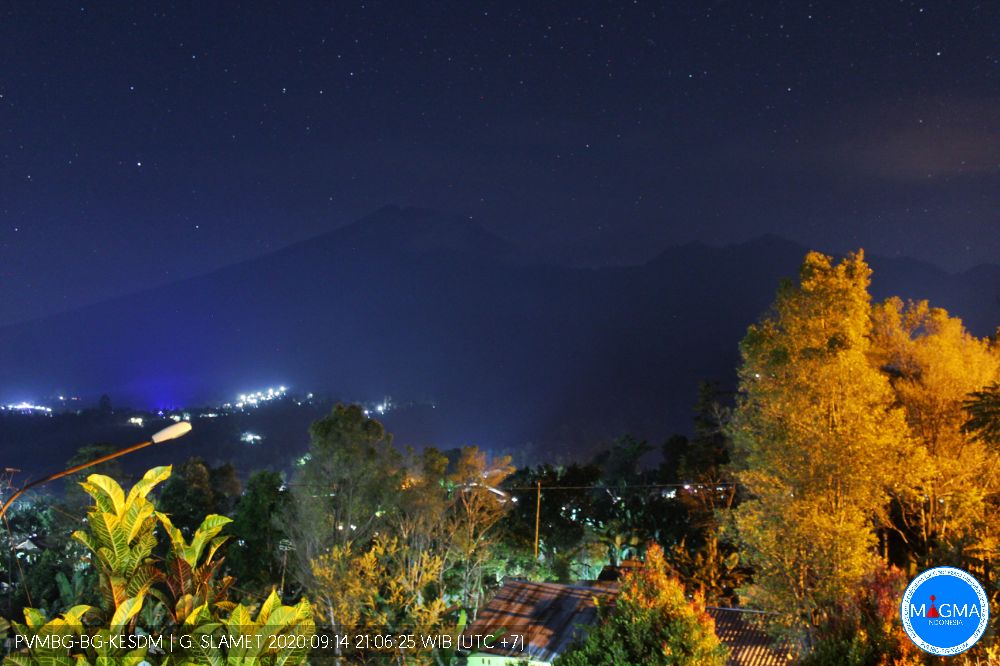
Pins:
x,y
513,353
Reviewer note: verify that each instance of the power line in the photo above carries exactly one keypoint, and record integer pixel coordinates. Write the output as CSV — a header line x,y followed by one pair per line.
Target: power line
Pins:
x,y
645,486
642,486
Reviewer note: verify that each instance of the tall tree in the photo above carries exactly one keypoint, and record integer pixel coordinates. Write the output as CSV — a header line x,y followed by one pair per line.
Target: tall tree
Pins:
x,y
708,452
946,514
704,556
345,489
818,439
479,506
254,556
421,518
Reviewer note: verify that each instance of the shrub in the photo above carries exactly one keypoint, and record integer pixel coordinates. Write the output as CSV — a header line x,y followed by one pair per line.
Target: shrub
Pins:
x,y
651,624
181,595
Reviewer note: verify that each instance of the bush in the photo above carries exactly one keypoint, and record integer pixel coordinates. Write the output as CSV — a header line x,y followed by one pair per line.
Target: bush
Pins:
x,y
142,596
651,624
864,630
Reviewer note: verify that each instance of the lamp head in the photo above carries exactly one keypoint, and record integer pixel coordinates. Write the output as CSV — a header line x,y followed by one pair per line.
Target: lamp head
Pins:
x,y
172,432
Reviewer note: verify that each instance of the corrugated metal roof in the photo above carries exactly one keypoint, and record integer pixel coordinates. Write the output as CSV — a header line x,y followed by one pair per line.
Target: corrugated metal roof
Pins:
x,y
549,616
748,645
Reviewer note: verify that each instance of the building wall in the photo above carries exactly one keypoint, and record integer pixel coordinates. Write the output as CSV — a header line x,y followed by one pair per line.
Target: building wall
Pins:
x,y
486,659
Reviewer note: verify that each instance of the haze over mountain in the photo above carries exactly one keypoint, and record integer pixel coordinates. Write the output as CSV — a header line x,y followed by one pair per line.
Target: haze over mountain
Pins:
x,y
514,353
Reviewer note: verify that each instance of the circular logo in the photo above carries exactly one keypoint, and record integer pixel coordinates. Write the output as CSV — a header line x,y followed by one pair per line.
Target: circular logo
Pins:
x,y
944,611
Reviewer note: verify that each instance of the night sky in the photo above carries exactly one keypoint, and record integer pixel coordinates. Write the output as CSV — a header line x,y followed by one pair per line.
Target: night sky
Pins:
x,y
143,142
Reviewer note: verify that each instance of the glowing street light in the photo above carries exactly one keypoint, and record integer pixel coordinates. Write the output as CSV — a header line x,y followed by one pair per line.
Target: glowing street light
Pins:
x,y
165,435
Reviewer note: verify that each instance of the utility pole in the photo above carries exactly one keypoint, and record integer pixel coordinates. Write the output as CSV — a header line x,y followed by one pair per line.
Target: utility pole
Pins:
x,y
284,546
538,516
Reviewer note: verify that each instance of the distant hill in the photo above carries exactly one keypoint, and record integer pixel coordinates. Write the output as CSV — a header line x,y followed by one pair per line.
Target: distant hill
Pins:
x,y
515,354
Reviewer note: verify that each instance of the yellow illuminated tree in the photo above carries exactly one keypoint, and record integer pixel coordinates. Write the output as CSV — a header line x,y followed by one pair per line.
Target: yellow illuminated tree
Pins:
x,y
947,513
385,588
818,440
478,507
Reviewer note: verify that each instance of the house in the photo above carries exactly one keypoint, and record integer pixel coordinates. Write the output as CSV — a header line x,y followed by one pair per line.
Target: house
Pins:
x,y
533,622
536,622
748,644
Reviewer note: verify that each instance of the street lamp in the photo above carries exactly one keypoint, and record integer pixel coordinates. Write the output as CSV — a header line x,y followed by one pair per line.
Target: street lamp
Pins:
x,y
168,433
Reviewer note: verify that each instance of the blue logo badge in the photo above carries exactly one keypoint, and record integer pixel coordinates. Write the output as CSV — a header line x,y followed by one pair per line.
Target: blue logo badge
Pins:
x,y
944,611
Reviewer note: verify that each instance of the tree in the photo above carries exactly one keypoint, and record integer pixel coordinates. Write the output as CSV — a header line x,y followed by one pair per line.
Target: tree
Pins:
x,y
198,490
347,487
708,452
421,516
424,519
946,513
622,462
705,558
393,582
982,409
865,628
711,569
257,531
479,506
55,578
39,551
386,588
818,439
568,543
652,624
627,518
76,498
226,488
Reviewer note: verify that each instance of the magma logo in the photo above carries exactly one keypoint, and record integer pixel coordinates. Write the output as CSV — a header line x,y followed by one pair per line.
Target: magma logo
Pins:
x,y
944,611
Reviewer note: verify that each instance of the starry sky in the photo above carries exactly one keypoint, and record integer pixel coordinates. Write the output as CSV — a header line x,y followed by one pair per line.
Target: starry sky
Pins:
x,y
141,143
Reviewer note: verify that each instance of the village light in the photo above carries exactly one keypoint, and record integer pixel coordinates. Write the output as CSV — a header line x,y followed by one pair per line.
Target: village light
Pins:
x,y
170,432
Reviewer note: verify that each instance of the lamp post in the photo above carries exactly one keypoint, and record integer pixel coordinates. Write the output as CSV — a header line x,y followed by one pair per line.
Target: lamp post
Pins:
x,y
168,433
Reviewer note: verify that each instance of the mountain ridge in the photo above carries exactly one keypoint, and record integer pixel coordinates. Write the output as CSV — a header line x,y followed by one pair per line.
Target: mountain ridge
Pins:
x,y
516,353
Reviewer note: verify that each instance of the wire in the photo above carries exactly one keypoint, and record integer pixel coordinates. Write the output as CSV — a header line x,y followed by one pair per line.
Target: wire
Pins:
x,y
643,486
647,486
